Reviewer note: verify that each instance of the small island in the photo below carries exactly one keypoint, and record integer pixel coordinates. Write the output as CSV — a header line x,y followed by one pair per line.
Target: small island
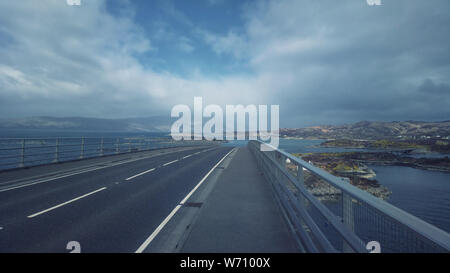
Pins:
x,y
358,174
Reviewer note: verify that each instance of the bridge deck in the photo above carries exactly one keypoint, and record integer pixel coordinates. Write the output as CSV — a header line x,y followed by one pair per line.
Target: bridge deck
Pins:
x,y
116,203
240,215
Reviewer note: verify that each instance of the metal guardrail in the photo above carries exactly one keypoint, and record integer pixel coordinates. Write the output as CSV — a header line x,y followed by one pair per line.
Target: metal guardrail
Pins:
x,y
349,218
26,152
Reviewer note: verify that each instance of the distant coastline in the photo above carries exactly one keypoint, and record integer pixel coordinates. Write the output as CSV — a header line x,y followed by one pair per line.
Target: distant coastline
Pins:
x,y
373,130
356,146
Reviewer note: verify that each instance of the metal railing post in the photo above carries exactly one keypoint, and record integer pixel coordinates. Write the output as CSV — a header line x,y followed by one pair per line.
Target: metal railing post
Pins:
x,y
82,148
56,151
117,145
22,154
283,167
347,217
129,146
300,176
101,147
301,183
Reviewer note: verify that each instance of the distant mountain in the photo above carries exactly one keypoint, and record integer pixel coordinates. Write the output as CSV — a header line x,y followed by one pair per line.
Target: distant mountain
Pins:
x,y
147,124
373,130
361,130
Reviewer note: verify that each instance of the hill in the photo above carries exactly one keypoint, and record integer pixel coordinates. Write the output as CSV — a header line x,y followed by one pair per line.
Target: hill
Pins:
x,y
372,130
147,124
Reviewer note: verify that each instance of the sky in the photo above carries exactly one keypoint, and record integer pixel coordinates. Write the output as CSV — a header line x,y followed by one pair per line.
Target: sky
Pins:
x,y
321,61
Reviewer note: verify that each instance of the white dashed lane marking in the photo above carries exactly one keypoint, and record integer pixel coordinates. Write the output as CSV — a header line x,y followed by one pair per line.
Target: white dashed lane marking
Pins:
x,y
139,174
168,163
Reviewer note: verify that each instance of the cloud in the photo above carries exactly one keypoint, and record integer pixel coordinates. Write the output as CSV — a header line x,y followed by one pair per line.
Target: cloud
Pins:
x,y
231,43
11,76
185,44
79,59
321,61
340,61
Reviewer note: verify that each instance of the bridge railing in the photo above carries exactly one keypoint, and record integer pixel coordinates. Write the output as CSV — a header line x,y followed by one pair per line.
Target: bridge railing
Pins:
x,y
25,152
328,214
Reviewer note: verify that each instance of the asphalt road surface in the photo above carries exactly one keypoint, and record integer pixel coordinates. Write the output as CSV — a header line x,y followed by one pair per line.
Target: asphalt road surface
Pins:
x,y
106,208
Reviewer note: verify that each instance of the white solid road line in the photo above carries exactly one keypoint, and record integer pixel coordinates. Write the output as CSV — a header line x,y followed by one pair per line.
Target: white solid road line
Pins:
x,y
204,178
157,230
139,174
168,163
184,157
65,203
167,219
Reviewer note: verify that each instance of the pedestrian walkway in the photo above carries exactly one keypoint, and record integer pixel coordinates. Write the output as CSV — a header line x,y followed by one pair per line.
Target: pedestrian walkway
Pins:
x,y
241,214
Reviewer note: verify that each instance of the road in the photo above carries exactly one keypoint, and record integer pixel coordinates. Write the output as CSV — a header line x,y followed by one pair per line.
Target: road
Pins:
x,y
111,208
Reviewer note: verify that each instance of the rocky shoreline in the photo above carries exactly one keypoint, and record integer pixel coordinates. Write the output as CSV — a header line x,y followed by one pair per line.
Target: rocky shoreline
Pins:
x,y
358,174
441,164
405,146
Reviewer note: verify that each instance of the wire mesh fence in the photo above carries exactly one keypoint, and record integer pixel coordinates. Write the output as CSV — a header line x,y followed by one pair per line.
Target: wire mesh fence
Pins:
x,y
26,152
331,215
